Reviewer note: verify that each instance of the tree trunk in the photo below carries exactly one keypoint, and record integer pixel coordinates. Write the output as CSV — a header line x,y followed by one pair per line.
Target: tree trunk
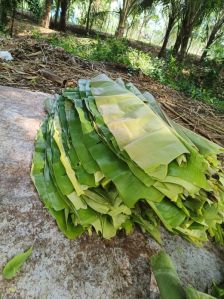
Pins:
x,y
184,42
141,27
121,25
166,38
88,17
47,14
13,20
212,37
177,42
107,23
4,10
129,28
193,15
209,43
184,31
127,5
183,37
57,13
64,8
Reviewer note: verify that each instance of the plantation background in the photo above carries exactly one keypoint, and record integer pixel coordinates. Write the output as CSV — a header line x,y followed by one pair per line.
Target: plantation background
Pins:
x,y
177,43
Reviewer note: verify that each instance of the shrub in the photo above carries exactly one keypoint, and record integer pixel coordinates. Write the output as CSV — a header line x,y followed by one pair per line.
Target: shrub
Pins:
x,y
114,50
180,76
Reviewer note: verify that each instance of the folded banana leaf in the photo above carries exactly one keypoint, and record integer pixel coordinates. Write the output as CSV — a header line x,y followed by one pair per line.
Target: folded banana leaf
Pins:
x,y
168,282
108,158
191,293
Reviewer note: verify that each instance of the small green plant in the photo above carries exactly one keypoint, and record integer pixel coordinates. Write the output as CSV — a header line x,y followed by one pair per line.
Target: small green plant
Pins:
x,y
114,50
36,33
76,46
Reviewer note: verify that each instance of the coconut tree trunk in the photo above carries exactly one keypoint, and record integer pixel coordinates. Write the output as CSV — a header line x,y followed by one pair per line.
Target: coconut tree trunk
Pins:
x,y
193,14
123,16
209,43
212,38
129,27
166,38
88,17
184,43
57,13
47,14
183,37
64,9
143,25
177,43
121,25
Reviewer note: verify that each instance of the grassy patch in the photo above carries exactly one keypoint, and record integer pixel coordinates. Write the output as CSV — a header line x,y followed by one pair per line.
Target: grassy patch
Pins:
x,y
171,72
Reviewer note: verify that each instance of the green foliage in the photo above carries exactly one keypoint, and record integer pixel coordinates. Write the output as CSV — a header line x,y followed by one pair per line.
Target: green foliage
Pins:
x,y
35,8
36,33
218,291
114,50
82,47
8,6
166,276
216,52
183,77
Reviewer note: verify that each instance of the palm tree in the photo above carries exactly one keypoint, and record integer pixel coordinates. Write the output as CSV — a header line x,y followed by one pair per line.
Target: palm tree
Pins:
x,y
127,8
173,8
215,33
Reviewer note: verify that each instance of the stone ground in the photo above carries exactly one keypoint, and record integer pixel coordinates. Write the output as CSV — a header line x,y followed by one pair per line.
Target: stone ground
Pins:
x,y
85,268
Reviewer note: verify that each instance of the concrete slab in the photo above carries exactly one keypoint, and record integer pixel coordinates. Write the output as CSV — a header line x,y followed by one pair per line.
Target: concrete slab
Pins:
x,y
85,268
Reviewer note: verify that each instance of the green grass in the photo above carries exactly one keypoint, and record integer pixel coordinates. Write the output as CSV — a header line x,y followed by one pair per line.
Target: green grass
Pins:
x,y
179,76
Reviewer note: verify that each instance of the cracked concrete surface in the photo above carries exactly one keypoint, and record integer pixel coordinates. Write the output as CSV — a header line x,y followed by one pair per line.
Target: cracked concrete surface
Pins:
x,y
88,267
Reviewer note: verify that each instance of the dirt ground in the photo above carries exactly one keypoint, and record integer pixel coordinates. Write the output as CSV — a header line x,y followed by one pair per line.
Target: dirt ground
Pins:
x,y
42,67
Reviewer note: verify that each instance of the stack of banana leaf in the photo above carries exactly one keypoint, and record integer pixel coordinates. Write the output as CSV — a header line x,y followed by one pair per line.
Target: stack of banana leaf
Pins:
x,y
107,158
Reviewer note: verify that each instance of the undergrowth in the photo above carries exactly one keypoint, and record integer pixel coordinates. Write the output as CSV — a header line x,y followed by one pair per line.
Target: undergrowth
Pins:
x,y
179,76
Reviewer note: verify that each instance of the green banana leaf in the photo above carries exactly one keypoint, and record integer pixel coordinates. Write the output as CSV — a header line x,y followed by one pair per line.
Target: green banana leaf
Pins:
x,y
191,293
166,276
135,126
168,282
107,157
13,266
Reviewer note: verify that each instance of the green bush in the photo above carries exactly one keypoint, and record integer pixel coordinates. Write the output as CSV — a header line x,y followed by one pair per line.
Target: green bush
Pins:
x,y
35,7
180,76
111,49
